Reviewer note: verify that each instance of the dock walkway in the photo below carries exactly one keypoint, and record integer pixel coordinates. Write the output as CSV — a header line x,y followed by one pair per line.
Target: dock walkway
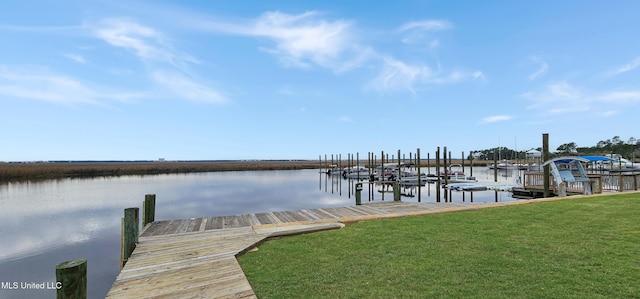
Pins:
x,y
196,258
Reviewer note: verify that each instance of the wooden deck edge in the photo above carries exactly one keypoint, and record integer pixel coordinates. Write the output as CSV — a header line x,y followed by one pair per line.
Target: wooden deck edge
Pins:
x,y
299,229
285,224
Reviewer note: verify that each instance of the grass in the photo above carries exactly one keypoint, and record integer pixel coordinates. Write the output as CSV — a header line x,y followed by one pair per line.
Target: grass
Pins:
x,y
574,248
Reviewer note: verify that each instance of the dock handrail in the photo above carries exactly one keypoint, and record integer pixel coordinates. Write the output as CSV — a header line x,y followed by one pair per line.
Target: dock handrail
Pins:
x,y
599,182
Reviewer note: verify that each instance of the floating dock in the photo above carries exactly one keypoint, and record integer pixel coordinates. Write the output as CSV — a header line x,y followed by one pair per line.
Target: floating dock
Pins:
x,y
196,258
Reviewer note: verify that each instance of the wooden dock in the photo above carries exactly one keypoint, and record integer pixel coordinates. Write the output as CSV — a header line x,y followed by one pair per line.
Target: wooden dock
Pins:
x,y
196,258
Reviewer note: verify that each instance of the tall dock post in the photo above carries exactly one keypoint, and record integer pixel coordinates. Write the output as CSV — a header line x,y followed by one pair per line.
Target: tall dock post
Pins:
x,y
495,164
149,209
130,223
438,174
419,174
545,155
71,279
396,185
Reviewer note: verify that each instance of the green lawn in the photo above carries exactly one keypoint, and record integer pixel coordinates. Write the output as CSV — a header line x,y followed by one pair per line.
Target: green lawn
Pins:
x,y
574,248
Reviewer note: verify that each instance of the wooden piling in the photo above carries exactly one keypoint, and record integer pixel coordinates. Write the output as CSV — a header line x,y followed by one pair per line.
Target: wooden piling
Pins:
x,y
149,209
471,165
438,174
130,223
382,177
419,174
446,170
495,164
71,279
545,155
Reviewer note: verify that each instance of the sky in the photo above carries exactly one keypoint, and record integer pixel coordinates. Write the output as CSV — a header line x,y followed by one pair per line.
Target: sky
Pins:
x,y
218,80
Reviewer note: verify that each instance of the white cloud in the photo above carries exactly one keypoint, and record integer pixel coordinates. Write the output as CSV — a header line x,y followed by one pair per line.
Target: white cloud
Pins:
x,y
562,97
632,65
75,57
422,32
285,91
303,40
43,85
306,40
542,69
620,97
427,25
495,118
397,75
146,43
187,88
168,67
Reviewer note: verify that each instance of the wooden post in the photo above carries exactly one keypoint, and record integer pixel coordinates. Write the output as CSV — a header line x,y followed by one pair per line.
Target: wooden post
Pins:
x,y
399,170
545,155
438,174
428,163
396,185
396,191
149,209
446,170
130,223
358,193
495,164
382,177
71,279
471,165
339,161
419,174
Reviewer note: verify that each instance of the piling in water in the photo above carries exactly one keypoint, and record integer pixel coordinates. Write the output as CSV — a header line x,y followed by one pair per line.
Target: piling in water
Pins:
x,y
130,223
71,279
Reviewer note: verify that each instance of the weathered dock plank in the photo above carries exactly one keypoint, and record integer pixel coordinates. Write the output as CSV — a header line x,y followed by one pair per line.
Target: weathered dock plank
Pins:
x,y
195,258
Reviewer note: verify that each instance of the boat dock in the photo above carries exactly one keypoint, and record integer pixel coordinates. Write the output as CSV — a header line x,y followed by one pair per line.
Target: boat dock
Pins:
x,y
196,258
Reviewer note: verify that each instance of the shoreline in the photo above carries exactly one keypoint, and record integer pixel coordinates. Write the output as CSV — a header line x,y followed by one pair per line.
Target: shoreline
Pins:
x,y
20,172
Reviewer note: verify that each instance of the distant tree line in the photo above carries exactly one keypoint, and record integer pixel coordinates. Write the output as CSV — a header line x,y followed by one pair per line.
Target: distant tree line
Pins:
x,y
629,149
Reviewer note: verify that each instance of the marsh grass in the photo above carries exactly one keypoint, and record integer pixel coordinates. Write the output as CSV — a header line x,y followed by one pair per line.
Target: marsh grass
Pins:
x,y
574,248
45,171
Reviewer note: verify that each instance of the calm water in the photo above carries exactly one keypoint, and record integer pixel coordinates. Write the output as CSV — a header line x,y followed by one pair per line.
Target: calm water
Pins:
x,y
45,223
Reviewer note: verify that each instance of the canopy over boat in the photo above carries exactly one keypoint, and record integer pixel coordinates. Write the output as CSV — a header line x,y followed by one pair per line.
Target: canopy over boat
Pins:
x,y
585,159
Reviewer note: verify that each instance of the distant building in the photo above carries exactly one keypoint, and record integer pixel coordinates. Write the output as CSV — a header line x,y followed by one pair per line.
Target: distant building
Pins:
x,y
534,154
161,160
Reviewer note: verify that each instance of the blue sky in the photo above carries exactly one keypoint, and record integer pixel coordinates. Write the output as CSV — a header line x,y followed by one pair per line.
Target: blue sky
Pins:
x,y
183,80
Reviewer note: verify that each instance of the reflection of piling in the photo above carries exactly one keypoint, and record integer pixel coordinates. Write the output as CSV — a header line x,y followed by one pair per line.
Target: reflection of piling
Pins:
x,y
71,279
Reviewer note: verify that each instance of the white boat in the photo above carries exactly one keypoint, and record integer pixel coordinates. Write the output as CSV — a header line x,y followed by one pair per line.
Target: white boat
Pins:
x,y
504,165
356,172
413,180
456,175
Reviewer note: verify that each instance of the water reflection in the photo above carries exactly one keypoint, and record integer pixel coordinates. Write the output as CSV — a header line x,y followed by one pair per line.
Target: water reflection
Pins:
x,y
45,223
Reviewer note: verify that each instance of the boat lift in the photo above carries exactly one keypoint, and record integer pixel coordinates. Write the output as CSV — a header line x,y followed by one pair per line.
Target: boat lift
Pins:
x,y
568,170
